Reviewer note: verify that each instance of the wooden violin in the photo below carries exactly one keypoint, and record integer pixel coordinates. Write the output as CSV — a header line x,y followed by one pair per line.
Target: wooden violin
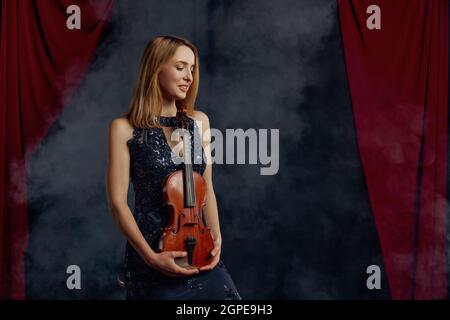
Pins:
x,y
184,192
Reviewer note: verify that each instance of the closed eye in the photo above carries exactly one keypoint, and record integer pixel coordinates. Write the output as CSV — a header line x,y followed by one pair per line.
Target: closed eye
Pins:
x,y
180,69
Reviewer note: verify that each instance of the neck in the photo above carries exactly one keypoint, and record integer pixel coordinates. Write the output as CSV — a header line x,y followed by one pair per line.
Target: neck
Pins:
x,y
169,108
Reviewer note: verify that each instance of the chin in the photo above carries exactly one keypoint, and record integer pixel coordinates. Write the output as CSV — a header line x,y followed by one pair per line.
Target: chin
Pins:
x,y
180,96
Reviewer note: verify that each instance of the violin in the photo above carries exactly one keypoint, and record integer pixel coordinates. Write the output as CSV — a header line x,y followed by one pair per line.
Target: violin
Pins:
x,y
184,192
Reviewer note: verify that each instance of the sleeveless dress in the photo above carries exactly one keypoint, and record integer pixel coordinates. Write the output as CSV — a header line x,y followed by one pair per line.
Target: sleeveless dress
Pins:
x,y
150,162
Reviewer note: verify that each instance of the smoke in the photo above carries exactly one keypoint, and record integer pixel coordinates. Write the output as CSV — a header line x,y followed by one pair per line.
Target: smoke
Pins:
x,y
263,65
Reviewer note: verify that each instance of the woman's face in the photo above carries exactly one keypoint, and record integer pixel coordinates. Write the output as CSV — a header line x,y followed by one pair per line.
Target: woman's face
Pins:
x,y
177,74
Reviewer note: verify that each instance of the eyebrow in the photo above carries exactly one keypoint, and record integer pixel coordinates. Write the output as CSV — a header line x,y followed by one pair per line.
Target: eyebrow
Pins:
x,y
184,62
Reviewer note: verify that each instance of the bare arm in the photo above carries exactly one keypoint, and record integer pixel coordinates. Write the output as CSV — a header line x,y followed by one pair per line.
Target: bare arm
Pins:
x,y
117,181
210,210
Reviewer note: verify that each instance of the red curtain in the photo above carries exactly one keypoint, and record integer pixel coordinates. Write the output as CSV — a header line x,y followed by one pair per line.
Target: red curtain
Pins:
x,y
41,63
398,80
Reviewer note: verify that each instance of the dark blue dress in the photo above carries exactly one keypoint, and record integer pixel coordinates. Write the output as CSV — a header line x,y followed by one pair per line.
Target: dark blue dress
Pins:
x,y
150,163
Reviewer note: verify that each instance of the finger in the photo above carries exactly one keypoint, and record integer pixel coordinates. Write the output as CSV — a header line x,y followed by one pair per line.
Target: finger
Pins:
x,y
211,265
188,273
177,254
180,270
185,271
208,267
168,272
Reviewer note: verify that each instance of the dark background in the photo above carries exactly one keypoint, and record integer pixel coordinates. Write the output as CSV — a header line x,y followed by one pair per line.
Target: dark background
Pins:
x,y
305,233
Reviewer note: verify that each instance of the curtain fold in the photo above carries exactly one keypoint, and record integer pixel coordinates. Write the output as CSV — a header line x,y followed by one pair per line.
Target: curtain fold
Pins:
x,y
41,64
398,81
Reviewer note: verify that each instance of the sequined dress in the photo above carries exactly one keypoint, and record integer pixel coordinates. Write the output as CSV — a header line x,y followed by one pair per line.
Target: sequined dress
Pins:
x,y
150,162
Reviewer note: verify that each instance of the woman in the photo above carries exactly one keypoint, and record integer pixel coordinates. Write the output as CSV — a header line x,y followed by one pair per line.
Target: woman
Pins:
x,y
140,146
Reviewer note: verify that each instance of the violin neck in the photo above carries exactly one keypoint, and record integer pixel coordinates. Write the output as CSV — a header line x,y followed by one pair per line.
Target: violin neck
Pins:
x,y
188,178
189,188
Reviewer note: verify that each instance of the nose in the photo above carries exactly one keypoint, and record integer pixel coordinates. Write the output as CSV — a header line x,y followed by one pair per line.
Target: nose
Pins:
x,y
188,75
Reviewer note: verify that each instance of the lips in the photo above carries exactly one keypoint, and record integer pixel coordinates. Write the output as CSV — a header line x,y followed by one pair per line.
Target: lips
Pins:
x,y
183,88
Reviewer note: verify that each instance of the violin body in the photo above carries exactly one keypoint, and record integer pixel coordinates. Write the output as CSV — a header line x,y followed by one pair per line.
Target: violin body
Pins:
x,y
184,192
186,230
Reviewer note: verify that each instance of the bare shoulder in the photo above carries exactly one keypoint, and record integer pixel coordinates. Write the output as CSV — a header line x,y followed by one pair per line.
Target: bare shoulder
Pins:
x,y
121,129
201,117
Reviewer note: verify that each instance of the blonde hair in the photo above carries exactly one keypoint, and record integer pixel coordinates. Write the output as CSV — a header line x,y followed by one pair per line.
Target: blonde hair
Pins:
x,y
146,102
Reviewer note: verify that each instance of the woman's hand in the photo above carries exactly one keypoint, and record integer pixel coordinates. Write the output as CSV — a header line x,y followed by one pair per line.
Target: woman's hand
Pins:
x,y
215,253
165,263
